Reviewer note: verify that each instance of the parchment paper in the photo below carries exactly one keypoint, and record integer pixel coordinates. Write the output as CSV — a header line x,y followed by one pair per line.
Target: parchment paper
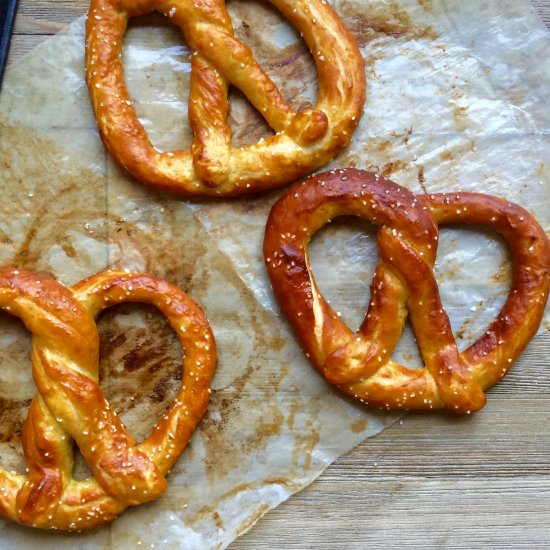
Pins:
x,y
456,100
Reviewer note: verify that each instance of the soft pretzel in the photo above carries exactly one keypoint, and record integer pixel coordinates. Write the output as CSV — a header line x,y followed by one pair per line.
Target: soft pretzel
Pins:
x,y
303,141
360,364
70,405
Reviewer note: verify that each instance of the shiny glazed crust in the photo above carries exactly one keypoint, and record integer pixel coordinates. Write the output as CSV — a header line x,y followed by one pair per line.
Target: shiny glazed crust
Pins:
x,y
70,406
303,142
404,283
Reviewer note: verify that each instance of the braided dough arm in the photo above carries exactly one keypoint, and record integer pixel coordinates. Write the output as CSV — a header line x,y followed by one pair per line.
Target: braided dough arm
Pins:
x,y
238,66
86,500
208,110
46,309
454,388
185,317
50,461
50,312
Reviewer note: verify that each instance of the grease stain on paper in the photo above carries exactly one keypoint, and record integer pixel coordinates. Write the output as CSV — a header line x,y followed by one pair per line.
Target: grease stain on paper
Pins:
x,y
387,19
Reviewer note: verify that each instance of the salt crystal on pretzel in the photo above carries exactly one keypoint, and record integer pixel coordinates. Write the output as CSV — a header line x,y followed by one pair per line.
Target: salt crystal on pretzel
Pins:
x,y
303,142
360,364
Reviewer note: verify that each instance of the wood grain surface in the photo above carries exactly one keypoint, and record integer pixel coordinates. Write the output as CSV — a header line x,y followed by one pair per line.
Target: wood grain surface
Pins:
x,y
432,480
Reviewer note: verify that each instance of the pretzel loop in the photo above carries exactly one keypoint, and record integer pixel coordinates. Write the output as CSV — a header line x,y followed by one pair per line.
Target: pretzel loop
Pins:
x,y
303,141
71,406
360,364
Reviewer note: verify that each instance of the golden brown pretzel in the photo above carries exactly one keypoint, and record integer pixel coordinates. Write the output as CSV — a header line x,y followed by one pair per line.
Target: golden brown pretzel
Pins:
x,y
359,364
70,405
303,141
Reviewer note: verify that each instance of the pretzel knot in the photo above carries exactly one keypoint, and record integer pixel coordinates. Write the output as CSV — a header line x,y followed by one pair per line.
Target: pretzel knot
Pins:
x,y
303,141
70,405
360,364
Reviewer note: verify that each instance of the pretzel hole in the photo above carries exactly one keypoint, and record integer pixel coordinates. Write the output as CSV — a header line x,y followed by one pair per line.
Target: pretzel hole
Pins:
x,y
406,351
280,51
248,126
156,65
140,365
474,273
278,48
343,256
16,389
81,470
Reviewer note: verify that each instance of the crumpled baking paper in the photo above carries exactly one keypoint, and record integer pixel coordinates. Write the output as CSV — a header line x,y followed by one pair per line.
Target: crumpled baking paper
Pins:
x,y
457,94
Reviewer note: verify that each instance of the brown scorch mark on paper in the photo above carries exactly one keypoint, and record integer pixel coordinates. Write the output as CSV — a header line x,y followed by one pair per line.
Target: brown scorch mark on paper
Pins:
x,y
447,155
393,167
232,430
292,415
461,119
457,151
140,365
252,519
348,158
209,514
403,136
12,414
426,4
253,485
305,443
422,179
381,151
38,185
504,273
359,425
370,63
369,21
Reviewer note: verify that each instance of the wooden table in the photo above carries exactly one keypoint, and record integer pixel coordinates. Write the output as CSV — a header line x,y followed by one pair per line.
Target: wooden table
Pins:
x,y
434,480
